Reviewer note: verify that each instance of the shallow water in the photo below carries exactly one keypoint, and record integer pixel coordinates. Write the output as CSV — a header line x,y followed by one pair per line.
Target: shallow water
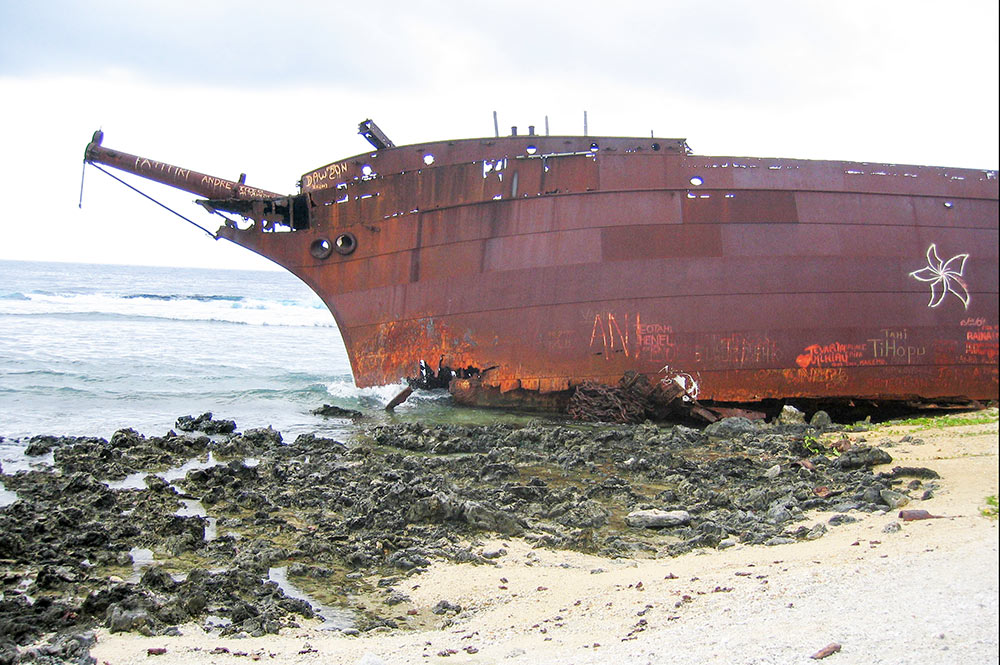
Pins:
x,y
141,558
137,481
7,497
334,618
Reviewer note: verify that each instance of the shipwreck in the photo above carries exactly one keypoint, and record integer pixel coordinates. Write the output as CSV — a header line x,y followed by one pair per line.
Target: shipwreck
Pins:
x,y
518,270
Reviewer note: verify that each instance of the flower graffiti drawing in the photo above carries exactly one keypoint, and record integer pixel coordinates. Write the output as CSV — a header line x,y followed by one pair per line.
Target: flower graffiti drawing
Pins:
x,y
944,277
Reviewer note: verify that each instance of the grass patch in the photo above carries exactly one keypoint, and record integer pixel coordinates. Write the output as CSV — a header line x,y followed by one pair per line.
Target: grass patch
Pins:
x,y
991,509
951,420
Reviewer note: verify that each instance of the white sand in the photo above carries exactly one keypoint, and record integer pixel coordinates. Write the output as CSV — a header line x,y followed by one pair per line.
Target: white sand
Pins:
x,y
924,594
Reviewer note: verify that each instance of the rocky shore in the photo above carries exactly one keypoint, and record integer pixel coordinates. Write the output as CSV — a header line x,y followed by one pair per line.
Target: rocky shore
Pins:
x,y
246,534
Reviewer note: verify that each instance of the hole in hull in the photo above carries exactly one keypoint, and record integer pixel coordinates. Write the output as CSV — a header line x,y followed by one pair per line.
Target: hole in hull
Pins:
x,y
321,248
345,244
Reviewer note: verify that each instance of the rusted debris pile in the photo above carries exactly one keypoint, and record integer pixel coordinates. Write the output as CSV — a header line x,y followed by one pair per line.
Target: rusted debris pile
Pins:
x,y
633,400
617,404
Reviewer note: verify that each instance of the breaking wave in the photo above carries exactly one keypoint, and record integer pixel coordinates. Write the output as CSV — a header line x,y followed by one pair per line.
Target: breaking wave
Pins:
x,y
169,297
230,309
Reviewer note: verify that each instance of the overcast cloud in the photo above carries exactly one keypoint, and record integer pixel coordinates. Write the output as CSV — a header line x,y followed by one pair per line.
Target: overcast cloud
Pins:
x,y
277,88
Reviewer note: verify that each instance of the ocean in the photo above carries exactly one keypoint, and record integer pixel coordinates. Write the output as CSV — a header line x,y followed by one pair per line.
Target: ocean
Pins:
x,y
86,350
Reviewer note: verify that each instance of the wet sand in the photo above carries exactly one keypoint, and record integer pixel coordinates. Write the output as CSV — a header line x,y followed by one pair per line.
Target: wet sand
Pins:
x,y
925,592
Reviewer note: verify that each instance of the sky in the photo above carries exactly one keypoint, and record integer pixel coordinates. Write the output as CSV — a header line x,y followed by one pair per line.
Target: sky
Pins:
x,y
276,89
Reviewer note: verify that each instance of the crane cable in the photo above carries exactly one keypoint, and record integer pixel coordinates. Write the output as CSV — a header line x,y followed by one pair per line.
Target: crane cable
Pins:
x,y
138,191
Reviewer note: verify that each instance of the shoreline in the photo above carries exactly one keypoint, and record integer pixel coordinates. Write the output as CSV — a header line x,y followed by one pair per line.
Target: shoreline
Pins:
x,y
924,593
885,603
879,593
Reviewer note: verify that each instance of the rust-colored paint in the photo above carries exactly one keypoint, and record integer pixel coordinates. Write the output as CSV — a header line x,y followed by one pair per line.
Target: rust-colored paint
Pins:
x,y
211,187
544,262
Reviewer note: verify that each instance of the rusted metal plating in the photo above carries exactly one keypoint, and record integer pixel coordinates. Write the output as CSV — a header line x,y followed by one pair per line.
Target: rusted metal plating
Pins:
x,y
535,263
201,184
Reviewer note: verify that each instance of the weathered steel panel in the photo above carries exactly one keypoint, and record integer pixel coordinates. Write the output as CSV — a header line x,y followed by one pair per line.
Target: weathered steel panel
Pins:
x,y
660,241
630,171
702,206
538,250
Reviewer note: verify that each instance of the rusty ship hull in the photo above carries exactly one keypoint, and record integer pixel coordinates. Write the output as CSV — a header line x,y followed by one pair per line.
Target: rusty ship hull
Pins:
x,y
524,266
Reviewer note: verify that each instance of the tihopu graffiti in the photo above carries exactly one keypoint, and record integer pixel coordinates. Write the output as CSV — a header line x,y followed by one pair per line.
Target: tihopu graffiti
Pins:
x,y
892,346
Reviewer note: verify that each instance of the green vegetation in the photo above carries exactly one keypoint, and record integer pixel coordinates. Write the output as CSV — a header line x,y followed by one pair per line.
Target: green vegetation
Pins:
x,y
961,420
816,447
991,509
985,417
860,426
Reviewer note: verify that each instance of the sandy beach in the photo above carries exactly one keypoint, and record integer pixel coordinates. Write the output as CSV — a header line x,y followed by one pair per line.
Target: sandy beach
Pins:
x,y
885,590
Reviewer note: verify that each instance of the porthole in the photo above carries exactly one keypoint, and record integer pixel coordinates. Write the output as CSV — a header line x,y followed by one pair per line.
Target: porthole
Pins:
x,y
321,248
345,244
531,150
428,159
655,146
697,181
949,204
